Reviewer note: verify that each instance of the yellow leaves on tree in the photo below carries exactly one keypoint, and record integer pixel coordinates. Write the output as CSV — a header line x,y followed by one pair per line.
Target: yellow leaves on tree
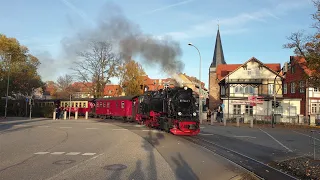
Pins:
x,y
23,68
132,78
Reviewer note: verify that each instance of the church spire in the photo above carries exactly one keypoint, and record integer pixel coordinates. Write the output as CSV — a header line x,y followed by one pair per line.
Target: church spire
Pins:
x,y
218,57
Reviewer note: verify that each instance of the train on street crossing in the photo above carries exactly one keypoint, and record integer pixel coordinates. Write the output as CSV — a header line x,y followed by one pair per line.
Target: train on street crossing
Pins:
x,y
172,109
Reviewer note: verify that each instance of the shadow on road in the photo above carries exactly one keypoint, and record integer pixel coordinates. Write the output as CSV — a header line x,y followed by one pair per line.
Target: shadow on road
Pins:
x,y
154,141
138,173
6,126
183,170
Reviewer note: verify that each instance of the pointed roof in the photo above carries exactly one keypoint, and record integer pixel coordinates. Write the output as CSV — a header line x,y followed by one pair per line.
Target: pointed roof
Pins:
x,y
231,68
218,57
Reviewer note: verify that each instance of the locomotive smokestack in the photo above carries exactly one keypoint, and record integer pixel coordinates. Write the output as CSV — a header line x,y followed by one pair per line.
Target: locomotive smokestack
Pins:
x,y
177,79
128,39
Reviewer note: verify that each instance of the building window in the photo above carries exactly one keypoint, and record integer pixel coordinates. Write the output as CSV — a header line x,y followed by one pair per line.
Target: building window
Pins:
x,y
237,109
249,72
270,88
249,109
285,88
238,90
223,90
293,87
313,108
249,90
301,84
292,69
315,89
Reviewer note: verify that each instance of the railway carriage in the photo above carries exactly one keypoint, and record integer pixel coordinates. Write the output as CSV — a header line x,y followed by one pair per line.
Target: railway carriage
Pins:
x,y
80,105
116,107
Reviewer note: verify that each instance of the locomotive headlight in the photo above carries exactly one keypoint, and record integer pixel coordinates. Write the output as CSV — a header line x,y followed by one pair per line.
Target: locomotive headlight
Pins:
x,y
185,88
179,113
194,114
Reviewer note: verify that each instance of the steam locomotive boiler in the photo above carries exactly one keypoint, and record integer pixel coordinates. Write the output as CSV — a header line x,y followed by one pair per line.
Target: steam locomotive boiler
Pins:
x,y
171,109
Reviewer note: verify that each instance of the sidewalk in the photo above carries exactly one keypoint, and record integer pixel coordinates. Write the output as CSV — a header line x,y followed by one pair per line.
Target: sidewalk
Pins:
x,y
283,126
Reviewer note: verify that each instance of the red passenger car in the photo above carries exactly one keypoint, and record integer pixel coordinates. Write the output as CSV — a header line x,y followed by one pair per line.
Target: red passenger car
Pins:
x,y
116,107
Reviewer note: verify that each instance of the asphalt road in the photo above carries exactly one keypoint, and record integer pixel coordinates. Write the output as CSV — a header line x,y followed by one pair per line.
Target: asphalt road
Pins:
x,y
265,144
85,149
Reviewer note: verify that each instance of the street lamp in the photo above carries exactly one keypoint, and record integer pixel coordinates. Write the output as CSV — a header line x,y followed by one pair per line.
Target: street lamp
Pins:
x,y
200,100
6,107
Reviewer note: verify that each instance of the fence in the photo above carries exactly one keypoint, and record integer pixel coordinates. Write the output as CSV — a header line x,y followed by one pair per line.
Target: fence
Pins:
x,y
267,119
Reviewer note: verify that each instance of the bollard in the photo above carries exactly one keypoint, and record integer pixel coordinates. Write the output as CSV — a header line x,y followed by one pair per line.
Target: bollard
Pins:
x,y
238,123
76,115
251,122
54,116
224,122
65,115
87,115
213,117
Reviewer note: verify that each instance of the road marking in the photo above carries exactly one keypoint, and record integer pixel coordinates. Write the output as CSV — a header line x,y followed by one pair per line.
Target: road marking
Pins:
x,y
65,127
75,166
205,134
91,128
88,154
73,153
119,129
57,153
307,135
245,136
44,126
276,140
152,130
21,125
41,153
201,127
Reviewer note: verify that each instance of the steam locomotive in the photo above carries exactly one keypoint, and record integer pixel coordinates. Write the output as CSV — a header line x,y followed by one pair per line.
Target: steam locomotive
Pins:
x,y
171,109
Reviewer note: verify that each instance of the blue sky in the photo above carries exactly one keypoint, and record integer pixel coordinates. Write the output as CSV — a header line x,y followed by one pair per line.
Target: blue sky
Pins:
x,y
249,28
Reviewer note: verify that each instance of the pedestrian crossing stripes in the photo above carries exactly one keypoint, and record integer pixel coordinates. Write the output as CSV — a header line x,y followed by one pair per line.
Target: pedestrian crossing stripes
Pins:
x,y
66,153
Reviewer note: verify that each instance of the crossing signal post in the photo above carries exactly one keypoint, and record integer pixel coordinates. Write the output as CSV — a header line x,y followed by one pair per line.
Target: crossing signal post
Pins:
x,y
275,104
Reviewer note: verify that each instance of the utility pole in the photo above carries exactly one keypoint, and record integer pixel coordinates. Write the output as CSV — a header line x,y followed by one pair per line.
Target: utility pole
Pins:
x,y
275,98
30,103
6,107
228,96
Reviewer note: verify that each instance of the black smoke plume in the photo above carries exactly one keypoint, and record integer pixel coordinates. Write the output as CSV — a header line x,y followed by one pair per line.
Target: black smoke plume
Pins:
x,y
127,37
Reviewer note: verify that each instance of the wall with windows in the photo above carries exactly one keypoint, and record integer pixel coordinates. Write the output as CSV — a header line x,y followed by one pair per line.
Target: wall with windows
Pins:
x,y
289,109
253,71
240,107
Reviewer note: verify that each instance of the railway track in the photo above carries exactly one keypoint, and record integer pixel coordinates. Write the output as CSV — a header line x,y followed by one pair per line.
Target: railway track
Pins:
x,y
260,169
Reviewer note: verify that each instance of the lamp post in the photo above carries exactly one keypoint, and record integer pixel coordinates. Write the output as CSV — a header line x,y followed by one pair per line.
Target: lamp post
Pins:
x,y
6,107
200,99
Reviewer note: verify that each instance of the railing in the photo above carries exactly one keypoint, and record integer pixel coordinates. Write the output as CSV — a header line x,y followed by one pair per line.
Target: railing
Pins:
x,y
266,119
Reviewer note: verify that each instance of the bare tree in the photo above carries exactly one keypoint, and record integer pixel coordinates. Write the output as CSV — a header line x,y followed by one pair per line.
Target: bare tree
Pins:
x,y
98,65
64,82
308,47
65,87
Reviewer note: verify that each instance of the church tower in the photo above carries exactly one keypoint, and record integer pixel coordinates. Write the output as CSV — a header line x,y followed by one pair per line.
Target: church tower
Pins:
x,y
218,58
